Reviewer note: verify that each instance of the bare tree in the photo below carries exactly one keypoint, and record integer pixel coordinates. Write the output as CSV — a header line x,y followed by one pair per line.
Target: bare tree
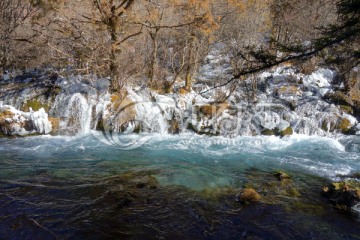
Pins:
x,y
13,15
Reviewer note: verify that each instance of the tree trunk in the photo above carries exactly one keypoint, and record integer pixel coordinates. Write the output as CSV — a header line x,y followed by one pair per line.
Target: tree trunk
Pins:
x,y
114,68
153,61
254,88
188,80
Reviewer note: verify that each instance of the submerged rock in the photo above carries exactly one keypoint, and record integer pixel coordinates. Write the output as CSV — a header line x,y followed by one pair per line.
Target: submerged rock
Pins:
x,y
281,175
248,195
344,195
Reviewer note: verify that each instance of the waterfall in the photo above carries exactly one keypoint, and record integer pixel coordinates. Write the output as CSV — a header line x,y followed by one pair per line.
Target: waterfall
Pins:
x,y
78,115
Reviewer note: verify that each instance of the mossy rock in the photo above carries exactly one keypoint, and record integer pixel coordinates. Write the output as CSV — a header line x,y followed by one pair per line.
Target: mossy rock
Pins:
x,y
3,135
344,125
343,195
286,132
293,192
190,127
249,195
339,98
35,105
218,193
325,126
281,175
347,109
150,183
268,132
8,113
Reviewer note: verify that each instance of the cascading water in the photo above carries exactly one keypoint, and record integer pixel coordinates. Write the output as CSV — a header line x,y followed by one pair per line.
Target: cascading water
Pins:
x,y
286,101
77,114
78,103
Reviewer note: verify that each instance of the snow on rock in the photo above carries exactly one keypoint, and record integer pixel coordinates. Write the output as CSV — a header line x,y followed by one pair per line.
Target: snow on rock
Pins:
x,y
15,122
319,81
267,120
321,78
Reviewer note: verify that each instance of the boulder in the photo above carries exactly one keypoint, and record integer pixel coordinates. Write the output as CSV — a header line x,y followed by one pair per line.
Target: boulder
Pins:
x,y
286,132
248,195
281,175
343,195
344,125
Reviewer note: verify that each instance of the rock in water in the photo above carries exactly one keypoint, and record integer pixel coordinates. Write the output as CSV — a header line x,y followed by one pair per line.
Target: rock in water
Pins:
x,y
281,175
343,195
248,195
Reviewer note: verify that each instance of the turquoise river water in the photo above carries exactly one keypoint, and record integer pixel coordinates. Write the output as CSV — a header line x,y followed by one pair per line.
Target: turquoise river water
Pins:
x,y
173,187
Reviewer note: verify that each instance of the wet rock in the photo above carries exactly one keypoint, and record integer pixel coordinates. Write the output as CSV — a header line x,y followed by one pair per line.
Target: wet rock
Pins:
x,y
344,125
286,132
268,132
174,126
55,123
346,109
284,186
141,185
281,175
35,105
355,129
343,195
283,125
248,195
327,127
339,98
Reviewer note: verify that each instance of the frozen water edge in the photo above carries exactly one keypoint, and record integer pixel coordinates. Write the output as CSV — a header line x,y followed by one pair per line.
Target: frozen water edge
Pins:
x,y
37,121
